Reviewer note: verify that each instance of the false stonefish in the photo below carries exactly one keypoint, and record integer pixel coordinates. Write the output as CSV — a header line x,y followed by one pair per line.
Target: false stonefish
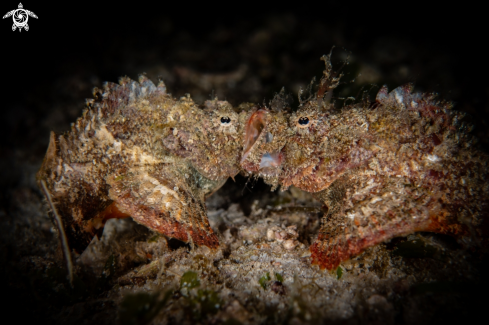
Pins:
x,y
402,164
138,152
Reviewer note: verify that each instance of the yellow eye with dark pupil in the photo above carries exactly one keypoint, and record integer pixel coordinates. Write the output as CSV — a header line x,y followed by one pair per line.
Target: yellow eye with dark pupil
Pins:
x,y
303,120
225,120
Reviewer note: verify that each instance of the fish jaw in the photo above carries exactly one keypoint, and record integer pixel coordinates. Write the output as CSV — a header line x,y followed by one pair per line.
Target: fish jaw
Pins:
x,y
253,130
264,137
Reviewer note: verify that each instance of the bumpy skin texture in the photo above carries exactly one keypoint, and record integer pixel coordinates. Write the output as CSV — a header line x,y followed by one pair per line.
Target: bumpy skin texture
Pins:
x,y
138,152
404,164
263,140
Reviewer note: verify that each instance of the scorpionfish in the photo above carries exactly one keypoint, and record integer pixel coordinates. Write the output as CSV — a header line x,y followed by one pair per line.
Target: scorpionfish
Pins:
x,y
138,152
403,164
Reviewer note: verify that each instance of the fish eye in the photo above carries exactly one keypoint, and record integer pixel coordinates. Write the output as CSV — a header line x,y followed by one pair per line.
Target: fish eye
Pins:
x,y
303,121
225,120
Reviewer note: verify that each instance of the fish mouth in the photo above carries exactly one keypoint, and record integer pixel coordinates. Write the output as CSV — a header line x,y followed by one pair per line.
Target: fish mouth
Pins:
x,y
273,159
270,165
255,126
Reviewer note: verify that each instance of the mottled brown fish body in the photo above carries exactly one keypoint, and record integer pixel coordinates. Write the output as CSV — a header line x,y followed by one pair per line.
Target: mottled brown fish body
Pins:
x,y
138,152
407,163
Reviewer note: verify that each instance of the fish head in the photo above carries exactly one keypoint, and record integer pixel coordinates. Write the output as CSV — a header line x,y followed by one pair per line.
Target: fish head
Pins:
x,y
325,143
210,136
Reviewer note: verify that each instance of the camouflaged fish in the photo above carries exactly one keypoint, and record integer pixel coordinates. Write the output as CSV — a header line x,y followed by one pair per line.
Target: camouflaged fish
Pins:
x,y
404,164
138,152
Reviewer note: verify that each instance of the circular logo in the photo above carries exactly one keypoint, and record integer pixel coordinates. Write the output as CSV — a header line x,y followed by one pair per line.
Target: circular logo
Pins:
x,y
20,17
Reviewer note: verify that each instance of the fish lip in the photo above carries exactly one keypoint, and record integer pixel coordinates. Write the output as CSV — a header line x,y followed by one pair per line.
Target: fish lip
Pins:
x,y
271,164
271,160
254,128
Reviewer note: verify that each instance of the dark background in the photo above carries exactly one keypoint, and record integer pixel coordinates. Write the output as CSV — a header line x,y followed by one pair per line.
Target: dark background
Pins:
x,y
74,46
439,47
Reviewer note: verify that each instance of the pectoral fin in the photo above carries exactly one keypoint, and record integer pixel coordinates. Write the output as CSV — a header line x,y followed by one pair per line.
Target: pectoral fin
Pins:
x,y
162,199
365,210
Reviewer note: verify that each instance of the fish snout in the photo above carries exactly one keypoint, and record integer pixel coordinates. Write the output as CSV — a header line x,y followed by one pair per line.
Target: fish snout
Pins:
x,y
261,151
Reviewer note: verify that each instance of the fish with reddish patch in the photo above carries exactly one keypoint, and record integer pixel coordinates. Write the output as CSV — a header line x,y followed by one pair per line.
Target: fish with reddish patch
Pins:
x,y
403,164
136,151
